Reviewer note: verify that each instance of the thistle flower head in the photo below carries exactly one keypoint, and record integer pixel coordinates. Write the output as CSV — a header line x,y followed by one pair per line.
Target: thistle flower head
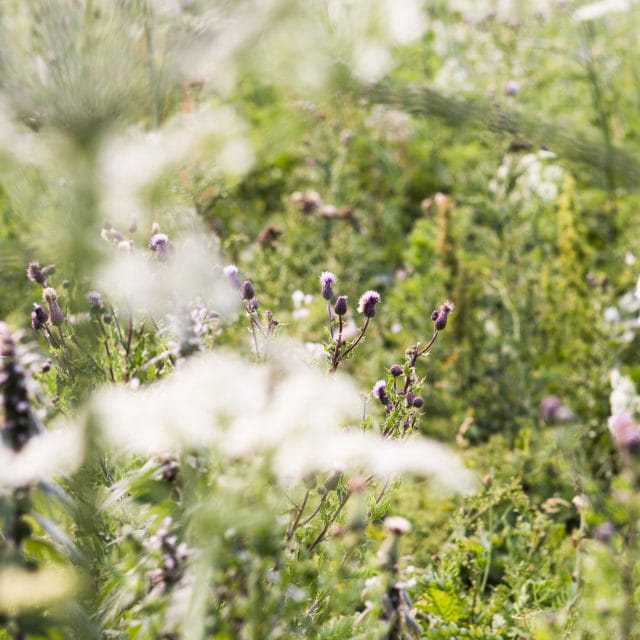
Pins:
x,y
95,301
231,271
367,303
159,243
441,314
247,290
55,312
39,316
380,391
327,280
379,388
19,423
34,273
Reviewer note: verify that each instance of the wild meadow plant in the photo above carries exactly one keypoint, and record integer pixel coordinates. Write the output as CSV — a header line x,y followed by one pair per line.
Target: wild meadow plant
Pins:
x,y
230,496
185,455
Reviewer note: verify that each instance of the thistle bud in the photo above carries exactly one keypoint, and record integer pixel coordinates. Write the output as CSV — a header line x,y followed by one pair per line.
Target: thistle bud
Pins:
x,y
55,312
396,370
247,291
331,481
440,315
340,307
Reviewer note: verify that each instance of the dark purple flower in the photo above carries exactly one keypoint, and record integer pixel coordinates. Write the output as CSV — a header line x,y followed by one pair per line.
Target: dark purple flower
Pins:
x,y
396,370
441,314
367,303
39,316
34,273
327,279
55,312
341,305
380,391
247,291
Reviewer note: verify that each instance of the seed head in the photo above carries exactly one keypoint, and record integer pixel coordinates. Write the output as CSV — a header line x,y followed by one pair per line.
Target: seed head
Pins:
x,y
367,303
327,279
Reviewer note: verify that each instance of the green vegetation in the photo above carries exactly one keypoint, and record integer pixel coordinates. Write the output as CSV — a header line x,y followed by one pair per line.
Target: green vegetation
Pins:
x,y
319,319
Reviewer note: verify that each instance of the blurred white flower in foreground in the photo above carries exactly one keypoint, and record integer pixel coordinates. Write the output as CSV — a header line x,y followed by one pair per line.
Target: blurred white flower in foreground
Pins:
x,y
129,163
293,414
47,455
188,275
596,10
623,398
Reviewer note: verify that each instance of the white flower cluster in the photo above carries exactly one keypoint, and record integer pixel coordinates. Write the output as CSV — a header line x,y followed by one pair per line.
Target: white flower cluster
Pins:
x,y
295,417
624,319
528,179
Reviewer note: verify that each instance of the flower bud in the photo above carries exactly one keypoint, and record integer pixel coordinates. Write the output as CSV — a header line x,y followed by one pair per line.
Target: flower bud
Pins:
x,y
247,291
331,481
55,312
396,370
340,307
440,315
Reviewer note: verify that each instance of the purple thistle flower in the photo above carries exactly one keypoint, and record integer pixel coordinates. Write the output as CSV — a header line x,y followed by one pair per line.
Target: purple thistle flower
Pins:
x,y
327,279
34,273
55,312
380,391
440,315
160,244
396,370
95,301
39,316
367,303
231,271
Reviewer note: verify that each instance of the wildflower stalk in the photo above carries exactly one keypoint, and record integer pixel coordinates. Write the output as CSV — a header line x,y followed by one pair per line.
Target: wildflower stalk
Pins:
x,y
320,537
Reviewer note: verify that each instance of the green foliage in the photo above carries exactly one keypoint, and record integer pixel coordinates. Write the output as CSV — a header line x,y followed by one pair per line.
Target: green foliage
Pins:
x,y
164,469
